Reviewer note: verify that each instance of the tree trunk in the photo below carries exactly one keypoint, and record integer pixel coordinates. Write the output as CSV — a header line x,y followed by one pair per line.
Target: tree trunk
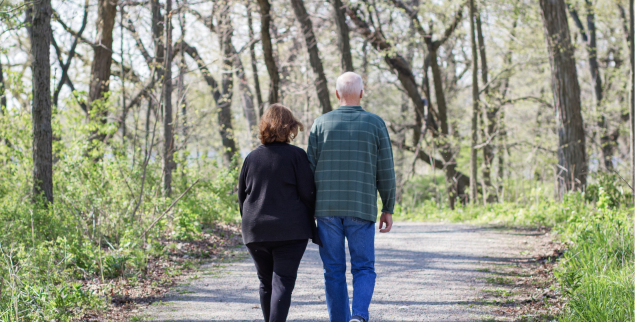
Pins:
x,y
475,109
631,46
444,144
101,65
157,35
321,84
490,114
181,99
225,34
254,64
3,95
572,157
502,132
247,96
343,40
41,109
168,133
267,49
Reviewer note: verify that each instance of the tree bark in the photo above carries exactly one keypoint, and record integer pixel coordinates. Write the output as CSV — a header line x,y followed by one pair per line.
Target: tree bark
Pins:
x,y
267,48
168,132
321,84
572,158
41,109
101,65
254,62
475,109
225,34
343,39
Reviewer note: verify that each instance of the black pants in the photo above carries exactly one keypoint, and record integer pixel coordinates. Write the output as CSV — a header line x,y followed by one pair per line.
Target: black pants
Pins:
x,y
277,265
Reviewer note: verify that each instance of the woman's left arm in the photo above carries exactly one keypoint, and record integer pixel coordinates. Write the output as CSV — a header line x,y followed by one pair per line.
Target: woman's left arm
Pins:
x,y
305,182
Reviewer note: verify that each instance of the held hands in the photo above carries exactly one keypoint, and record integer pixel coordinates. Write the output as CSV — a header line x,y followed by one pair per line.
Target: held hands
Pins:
x,y
385,221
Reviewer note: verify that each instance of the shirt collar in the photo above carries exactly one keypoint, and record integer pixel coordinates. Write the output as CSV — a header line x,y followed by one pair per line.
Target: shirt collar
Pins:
x,y
354,108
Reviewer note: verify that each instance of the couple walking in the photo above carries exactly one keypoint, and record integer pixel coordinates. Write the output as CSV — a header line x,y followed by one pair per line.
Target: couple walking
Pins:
x,y
283,190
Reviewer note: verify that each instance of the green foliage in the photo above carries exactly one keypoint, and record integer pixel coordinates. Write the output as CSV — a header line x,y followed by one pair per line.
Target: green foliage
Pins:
x,y
615,192
102,223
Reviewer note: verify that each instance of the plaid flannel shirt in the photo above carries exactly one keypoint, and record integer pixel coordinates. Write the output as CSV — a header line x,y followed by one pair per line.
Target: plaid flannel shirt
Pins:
x,y
351,156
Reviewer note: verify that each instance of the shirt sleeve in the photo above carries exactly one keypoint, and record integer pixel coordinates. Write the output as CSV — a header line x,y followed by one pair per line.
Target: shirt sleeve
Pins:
x,y
386,183
312,149
305,182
242,187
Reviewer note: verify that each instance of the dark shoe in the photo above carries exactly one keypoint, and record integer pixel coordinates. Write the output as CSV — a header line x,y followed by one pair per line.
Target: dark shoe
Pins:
x,y
357,318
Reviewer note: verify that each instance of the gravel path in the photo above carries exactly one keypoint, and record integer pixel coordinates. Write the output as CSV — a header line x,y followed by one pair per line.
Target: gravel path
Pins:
x,y
425,272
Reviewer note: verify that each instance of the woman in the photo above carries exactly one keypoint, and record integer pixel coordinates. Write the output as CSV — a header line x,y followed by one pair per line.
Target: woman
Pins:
x,y
276,193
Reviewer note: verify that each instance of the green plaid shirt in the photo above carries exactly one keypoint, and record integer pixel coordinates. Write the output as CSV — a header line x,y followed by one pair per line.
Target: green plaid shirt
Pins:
x,y
351,156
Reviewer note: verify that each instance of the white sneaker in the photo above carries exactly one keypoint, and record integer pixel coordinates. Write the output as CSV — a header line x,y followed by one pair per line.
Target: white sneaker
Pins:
x,y
357,318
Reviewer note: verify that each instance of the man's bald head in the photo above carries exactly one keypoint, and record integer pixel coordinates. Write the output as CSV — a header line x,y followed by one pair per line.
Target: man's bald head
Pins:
x,y
349,88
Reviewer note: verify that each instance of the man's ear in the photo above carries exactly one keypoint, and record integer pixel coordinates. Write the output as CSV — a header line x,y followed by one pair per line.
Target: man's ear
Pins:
x,y
337,94
361,94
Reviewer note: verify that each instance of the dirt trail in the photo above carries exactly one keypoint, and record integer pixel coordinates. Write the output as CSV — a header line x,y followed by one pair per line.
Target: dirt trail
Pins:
x,y
425,272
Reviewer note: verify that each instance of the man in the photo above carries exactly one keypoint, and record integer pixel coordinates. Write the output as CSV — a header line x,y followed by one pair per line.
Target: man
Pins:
x,y
351,156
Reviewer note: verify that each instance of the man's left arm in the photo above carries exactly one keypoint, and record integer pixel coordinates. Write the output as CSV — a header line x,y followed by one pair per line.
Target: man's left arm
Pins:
x,y
386,183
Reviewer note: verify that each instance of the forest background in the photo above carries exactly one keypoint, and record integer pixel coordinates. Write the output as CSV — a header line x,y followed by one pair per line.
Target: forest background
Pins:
x,y
123,124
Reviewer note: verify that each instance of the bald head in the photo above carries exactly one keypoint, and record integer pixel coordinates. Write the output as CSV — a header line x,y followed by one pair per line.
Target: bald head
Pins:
x,y
349,89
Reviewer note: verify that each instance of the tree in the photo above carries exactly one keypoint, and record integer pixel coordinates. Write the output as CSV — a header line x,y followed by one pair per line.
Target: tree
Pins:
x,y
226,129
168,133
488,132
267,48
321,84
572,159
101,65
631,34
343,39
228,142
41,109
455,180
254,62
243,85
475,109
590,41
3,95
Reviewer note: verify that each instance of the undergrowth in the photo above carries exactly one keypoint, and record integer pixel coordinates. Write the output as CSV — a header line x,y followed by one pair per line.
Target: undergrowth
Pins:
x,y
107,220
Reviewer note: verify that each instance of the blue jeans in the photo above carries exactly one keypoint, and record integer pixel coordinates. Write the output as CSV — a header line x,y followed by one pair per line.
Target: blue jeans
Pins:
x,y
361,244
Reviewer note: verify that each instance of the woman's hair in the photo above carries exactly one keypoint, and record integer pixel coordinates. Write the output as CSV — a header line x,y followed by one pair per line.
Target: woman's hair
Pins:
x,y
278,125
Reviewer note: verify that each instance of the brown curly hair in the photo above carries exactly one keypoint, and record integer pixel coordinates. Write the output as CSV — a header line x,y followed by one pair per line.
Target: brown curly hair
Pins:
x,y
278,125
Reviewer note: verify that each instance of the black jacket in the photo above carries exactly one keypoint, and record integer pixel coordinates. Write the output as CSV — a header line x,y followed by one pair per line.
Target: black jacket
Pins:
x,y
276,194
